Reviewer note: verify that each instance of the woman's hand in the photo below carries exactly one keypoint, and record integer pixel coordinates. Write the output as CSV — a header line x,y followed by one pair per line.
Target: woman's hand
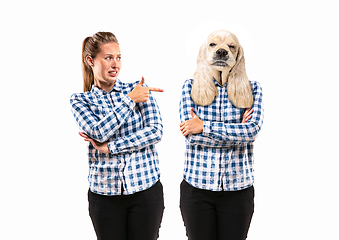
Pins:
x,y
247,115
101,147
192,126
140,93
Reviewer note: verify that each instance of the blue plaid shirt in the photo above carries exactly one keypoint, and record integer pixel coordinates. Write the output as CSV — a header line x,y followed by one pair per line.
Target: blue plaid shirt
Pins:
x,y
221,157
131,130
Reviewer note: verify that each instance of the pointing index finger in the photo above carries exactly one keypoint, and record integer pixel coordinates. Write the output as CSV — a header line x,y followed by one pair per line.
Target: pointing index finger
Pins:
x,y
153,89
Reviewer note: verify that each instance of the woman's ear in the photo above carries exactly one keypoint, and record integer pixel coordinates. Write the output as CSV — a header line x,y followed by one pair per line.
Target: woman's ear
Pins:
x,y
90,61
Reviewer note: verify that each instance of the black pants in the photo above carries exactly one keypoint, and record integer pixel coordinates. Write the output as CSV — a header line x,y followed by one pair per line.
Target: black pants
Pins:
x,y
212,215
133,217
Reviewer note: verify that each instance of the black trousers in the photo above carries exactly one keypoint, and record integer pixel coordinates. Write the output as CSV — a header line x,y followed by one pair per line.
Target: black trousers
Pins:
x,y
127,217
210,215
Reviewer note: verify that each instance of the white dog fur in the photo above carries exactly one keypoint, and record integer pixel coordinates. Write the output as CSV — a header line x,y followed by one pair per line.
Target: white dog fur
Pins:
x,y
221,57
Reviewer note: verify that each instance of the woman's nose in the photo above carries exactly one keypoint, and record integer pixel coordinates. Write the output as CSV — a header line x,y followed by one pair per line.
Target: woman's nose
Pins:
x,y
115,63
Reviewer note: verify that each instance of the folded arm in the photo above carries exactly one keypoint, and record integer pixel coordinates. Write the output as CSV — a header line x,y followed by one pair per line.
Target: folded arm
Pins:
x,y
220,134
150,134
195,137
102,129
240,132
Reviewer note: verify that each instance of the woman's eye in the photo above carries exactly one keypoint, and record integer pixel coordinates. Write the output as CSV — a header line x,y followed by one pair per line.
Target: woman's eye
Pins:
x,y
108,58
212,44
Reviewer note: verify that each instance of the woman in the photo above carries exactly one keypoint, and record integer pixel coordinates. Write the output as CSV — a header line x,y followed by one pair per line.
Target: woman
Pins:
x,y
122,123
217,194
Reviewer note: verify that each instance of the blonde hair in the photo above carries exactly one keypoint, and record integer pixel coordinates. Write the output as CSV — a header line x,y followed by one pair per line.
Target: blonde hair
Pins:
x,y
91,47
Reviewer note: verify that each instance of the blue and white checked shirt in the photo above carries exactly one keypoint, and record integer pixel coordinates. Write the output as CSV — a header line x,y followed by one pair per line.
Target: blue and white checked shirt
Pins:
x,y
131,130
221,157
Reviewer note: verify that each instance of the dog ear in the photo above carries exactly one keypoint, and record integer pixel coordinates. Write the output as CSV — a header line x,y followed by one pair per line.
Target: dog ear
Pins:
x,y
203,90
201,55
239,88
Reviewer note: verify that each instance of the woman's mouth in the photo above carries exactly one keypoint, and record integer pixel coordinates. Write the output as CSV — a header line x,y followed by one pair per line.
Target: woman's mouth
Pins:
x,y
113,73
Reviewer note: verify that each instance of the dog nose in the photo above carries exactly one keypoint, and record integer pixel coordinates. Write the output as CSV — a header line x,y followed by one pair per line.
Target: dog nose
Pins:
x,y
221,52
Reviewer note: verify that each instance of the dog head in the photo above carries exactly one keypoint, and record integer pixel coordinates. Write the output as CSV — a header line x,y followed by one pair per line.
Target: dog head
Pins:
x,y
219,51
221,57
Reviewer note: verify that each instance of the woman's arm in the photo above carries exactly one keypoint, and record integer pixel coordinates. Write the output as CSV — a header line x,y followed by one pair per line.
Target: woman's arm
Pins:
x,y
100,130
241,132
195,125
150,134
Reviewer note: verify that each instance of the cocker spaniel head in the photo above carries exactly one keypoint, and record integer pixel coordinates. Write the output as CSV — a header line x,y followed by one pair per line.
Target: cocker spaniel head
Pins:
x,y
221,57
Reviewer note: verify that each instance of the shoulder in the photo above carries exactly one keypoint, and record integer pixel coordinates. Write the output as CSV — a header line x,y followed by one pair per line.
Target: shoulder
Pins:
x,y
82,97
187,84
255,83
186,91
78,95
256,87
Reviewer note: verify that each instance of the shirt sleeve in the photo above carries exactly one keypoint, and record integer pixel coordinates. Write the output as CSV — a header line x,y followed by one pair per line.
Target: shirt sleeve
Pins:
x,y
100,129
150,134
202,139
241,132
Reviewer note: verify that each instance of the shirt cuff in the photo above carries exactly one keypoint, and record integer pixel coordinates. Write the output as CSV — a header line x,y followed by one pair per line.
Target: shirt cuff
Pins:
x,y
112,147
128,102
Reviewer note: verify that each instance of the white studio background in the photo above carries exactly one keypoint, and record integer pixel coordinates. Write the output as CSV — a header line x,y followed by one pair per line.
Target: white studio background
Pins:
x,y
291,48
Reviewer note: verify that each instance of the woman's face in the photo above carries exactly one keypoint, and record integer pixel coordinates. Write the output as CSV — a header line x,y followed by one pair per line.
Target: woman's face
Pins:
x,y
106,66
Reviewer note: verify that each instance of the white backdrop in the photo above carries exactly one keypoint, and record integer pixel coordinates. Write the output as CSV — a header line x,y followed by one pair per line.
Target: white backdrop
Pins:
x,y
291,48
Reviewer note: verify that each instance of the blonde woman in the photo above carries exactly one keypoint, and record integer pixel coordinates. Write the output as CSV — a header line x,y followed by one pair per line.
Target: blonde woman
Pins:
x,y
122,123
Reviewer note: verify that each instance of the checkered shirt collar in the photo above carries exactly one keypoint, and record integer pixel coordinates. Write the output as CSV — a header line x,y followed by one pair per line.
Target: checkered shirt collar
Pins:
x,y
117,87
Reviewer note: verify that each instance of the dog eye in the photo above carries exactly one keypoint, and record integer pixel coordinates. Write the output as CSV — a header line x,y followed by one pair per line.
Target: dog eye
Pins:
x,y
231,46
213,44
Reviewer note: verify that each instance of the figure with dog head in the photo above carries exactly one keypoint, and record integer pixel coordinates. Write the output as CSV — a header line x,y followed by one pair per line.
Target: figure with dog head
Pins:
x,y
221,114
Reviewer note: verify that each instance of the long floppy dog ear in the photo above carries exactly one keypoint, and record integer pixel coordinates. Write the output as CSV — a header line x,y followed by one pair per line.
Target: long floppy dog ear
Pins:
x,y
239,87
203,88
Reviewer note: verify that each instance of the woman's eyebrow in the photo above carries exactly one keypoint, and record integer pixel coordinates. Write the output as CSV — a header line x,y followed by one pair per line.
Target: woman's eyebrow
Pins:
x,y
113,54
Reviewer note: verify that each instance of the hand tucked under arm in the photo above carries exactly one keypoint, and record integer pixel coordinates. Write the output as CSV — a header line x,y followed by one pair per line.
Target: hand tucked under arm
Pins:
x,y
247,115
101,147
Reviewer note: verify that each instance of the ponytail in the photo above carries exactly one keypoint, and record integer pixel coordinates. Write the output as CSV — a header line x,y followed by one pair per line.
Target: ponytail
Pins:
x,y
87,72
